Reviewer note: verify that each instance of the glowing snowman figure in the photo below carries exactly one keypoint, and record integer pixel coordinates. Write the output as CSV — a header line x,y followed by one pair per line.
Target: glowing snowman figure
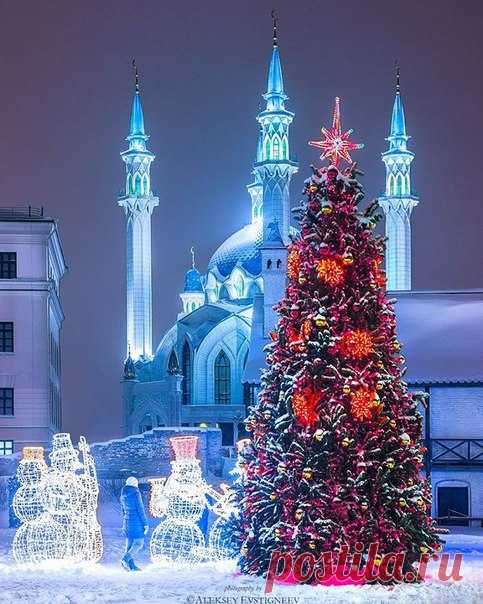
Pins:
x,y
57,505
182,500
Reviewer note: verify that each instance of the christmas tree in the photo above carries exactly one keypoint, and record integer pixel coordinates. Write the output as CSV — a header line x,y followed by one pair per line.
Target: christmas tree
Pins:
x,y
335,456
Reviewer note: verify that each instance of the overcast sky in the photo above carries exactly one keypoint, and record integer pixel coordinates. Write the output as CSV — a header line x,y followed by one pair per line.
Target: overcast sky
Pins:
x,y
67,86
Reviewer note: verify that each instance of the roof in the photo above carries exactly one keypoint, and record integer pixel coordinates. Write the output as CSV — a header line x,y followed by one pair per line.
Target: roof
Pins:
x,y
137,117
243,248
192,281
441,333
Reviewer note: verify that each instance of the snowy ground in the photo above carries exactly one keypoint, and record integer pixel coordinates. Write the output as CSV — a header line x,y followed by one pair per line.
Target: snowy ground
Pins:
x,y
209,584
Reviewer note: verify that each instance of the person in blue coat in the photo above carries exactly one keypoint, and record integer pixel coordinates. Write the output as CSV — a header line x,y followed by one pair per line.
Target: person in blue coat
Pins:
x,y
135,522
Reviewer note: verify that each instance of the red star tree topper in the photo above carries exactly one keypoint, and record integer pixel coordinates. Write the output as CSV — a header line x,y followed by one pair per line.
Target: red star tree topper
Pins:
x,y
336,144
335,456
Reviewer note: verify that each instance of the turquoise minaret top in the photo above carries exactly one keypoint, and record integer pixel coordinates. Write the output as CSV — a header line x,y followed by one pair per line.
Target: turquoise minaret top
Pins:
x,y
273,167
398,200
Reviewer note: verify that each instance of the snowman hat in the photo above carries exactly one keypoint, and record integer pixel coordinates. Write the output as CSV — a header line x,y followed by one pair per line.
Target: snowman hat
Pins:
x,y
132,481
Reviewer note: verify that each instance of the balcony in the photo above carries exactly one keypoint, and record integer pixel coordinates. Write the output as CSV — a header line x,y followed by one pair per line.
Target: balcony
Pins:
x,y
455,451
26,213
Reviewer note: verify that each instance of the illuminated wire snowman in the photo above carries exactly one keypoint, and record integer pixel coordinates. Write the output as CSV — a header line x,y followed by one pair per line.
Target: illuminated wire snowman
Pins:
x,y
57,505
182,499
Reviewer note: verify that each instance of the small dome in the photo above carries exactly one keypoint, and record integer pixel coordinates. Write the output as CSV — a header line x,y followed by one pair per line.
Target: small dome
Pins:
x,y
192,281
243,247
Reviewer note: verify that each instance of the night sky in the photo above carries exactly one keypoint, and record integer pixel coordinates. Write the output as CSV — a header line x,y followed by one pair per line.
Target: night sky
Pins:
x,y
66,91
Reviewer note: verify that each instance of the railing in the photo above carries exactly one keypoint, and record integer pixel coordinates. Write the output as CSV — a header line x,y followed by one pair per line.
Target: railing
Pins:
x,y
27,212
455,451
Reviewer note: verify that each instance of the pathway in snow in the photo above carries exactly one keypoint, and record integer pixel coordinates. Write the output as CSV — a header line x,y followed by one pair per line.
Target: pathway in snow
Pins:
x,y
209,584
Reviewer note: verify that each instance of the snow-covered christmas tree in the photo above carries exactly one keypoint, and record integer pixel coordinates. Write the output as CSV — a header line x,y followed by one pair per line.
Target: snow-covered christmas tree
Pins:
x,y
335,456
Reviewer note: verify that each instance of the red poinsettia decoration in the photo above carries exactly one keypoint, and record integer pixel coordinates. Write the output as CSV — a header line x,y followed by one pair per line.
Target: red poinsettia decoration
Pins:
x,y
304,406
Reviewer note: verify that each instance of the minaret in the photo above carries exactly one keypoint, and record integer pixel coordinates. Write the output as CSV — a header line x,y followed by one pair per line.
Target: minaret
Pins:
x,y
138,202
398,200
273,167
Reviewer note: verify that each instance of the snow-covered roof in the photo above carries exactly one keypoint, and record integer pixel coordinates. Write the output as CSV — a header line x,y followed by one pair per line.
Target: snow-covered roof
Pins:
x,y
441,334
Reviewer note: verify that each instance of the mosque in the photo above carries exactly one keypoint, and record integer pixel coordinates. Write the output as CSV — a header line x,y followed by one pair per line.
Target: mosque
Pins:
x,y
206,369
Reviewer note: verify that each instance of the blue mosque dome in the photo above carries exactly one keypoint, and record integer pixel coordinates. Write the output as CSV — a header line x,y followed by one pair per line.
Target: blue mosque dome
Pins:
x,y
242,249
192,281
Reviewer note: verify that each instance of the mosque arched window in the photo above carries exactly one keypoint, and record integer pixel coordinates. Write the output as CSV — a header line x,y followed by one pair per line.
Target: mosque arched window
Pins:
x,y
137,185
267,148
224,295
276,148
254,289
284,148
145,185
399,185
222,379
187,370
240,287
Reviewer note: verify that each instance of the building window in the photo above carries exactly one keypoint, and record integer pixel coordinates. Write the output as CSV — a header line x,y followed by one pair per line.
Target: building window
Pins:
x,y
8,265
222,379
227,439
6,336
187,374
6,401
6,447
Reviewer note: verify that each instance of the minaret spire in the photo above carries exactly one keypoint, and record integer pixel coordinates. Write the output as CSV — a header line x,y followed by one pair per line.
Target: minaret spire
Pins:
x,y
138,202
275,23
398,200
136,76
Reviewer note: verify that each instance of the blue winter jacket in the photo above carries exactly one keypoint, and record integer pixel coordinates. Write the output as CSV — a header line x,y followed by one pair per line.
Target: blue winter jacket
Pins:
x,y
134,516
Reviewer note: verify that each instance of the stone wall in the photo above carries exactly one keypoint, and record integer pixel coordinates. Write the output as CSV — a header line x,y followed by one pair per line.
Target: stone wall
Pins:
x,y
149,454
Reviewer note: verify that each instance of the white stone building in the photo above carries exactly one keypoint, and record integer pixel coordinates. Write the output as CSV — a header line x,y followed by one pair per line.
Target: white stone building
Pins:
x,y
31,267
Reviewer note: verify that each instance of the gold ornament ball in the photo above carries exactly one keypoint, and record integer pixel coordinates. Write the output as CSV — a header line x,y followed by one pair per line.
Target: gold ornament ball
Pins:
x,y
423,549
402,502
313,188
302,280
311,544
405,439
376,401
307,473
267,414
319,434
379,386
346,389
321,321
327,210
420,503
244,550
346,442
299,514
392,423
410,482
273,496
282,468
348,259
364,506
390,463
